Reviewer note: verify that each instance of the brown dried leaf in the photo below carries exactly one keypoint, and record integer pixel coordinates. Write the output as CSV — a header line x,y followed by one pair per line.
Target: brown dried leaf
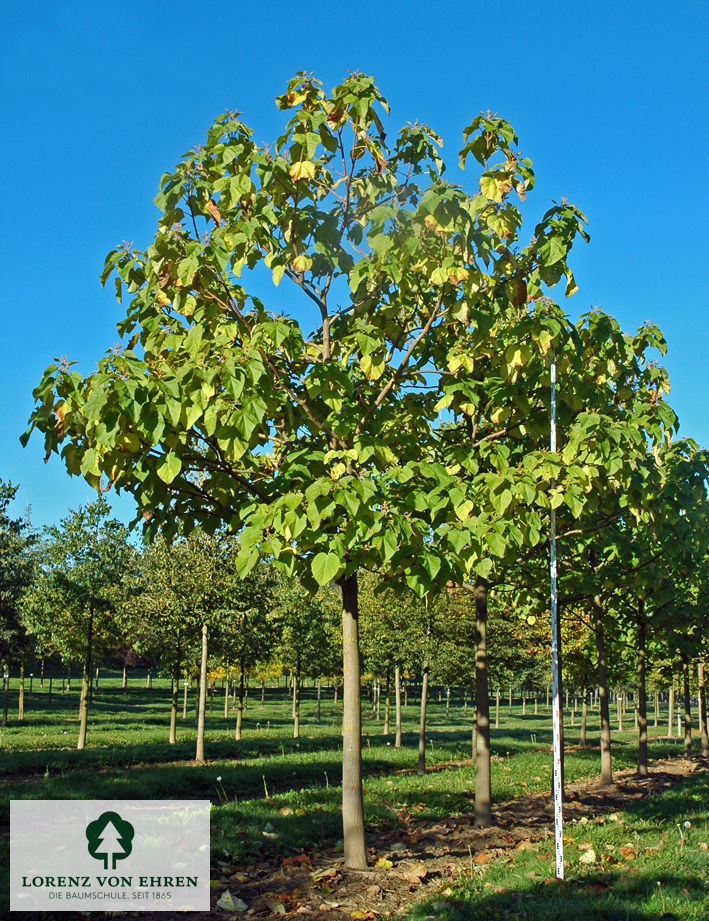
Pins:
x,y
214,211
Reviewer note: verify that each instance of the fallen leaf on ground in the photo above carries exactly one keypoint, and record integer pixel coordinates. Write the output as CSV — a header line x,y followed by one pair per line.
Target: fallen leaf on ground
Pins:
x,y
588,856
300,860
229,903
384,864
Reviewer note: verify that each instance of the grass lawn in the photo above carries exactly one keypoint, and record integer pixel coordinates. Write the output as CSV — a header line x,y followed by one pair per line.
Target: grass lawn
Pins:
x,y
274,795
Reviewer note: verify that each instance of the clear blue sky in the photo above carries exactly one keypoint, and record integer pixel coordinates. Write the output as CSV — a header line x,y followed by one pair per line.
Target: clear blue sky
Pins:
x,y
609,100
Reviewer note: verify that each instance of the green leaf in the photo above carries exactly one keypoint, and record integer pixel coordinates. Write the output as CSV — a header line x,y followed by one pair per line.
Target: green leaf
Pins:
x,y
496,543
169,467
483,567
325,567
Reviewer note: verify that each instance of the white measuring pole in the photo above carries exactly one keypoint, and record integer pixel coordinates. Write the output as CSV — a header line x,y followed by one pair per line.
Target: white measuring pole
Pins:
x,y
555,682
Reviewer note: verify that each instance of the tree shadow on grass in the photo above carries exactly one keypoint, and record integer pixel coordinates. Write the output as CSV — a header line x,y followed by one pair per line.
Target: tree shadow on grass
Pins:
x,y
610,897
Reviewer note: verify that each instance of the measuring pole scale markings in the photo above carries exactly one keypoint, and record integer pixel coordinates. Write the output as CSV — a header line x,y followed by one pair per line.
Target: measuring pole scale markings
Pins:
x,y
555,661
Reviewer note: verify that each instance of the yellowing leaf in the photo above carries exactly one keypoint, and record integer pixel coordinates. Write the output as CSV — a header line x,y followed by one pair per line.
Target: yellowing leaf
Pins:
x,y
302,263
305,169
373,366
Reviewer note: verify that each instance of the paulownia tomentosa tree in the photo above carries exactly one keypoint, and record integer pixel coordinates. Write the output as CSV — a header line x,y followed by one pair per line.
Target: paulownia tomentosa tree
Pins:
x,y
216,411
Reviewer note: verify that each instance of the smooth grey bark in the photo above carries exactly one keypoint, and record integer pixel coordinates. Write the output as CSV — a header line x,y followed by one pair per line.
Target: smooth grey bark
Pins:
x,y
387,702
584,712
352,801
296,701
703,709
199,749
687,707
227,688
397,705
21,695
671,711
175,697
86,684
5,696
240,704
421,765
606,764
483,794
641,709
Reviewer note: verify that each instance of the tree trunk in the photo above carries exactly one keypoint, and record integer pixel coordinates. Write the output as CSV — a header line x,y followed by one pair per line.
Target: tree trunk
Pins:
x,y
703,710
671,711
124,682
172,739
175,697
584,712
352,802
421,766
296,701
240,705
227,683
199,750
21,695
49,695
524,703
687,708
263,694
397,705
448,703
619,710
483,799
184,701
387,701
657,709
86,684
474,737
606,766
497,709
319,695
510,699
641,709
5,696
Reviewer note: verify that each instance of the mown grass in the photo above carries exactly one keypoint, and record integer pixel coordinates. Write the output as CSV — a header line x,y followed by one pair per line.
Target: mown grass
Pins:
x,y
273,794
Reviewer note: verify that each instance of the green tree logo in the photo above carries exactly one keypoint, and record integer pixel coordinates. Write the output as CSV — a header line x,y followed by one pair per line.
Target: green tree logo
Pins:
x,y
110,839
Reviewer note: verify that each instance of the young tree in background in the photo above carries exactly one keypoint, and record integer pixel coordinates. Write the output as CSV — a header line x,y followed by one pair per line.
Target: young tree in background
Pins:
x,y
16,571
82,566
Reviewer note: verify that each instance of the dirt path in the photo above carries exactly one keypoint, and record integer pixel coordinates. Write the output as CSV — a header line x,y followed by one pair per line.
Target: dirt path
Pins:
x,y
414,860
